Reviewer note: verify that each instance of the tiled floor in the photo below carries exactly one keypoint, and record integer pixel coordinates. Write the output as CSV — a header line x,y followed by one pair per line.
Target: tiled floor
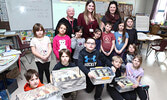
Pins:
x,y
155,76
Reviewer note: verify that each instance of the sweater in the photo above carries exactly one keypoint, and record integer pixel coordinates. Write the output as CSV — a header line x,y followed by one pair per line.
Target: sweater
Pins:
x,y
89,60
70,28
27,86
77,45
61,42
132,36
91,25
59,66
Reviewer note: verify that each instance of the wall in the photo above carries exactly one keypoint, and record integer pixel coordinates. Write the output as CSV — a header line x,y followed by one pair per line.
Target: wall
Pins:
x,y
149,5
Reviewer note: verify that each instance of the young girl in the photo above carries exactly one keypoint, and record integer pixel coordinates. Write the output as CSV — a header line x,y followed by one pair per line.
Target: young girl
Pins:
x,y
41,48
131,52
97,36
65,56
77,43
131,31
61,40
121,40
135,72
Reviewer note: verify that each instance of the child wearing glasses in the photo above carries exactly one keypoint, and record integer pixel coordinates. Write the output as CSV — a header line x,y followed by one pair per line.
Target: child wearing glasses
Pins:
x,y
88,58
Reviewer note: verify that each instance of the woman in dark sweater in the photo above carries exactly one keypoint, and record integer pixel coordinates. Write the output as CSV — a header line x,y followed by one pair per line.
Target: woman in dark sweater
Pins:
x,y
112,15
69,21
88,19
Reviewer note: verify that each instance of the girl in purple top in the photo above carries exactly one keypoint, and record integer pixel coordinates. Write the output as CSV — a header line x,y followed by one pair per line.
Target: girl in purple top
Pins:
x,y
135,72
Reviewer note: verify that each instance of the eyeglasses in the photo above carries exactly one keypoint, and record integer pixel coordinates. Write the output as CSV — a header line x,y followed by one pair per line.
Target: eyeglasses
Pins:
x,y
90,43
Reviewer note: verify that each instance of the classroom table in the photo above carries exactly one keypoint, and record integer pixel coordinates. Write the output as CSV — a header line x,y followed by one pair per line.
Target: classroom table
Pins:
x,y
148,38
3,73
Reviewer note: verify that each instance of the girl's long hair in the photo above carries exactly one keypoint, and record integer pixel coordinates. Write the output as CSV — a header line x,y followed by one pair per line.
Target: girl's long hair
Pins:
x,y
127,20
124,31
93,13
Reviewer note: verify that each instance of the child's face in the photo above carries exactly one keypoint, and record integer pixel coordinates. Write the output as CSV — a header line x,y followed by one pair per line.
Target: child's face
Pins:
x,y
136,63
62,29
117,63
34,81
121,26
97,35
90,7
90,45
131,49
129,23
65,59
39,33
108,28
79,34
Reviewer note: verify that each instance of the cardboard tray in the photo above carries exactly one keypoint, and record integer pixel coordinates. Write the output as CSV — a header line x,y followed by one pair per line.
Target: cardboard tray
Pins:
x,y
103,75
69,79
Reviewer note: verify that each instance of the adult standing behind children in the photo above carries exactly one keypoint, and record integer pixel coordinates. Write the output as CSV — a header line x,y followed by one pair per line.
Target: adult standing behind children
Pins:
x,y
88,19
131,31
69,20
112,15
41,48
108,42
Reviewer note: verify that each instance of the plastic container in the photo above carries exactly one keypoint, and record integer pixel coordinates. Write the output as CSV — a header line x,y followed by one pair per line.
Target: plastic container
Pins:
x,y
103,75
128,83
46,92
69,79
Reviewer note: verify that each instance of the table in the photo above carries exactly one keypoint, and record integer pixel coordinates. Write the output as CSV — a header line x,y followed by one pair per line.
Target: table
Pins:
x,y
3,69
148,38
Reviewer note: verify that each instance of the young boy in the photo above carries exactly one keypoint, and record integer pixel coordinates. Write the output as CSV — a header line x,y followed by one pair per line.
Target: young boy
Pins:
x,y
115,95
33,81
88,58
97,35
107,41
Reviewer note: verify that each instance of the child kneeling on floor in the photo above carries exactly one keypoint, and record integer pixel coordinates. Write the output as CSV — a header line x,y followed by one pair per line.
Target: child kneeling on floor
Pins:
x,y
88,58
33,81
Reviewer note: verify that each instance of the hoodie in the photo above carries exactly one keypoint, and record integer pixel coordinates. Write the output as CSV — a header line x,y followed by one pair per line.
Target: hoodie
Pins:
x,y
89,60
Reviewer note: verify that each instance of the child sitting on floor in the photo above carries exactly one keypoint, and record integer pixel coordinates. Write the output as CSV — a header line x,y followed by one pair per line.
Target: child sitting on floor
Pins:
x,y
33,81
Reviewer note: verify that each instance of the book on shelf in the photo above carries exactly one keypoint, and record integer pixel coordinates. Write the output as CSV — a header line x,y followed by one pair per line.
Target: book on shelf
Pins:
x,y
11,52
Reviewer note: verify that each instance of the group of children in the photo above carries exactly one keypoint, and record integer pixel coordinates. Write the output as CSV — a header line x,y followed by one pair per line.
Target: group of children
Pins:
x,y
104,49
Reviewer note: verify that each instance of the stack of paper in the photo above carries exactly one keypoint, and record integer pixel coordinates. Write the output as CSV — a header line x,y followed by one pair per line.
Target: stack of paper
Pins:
x,y
5,60
11,52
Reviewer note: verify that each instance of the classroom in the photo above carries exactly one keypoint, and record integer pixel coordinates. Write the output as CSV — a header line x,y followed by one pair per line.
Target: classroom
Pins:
x,y
83,49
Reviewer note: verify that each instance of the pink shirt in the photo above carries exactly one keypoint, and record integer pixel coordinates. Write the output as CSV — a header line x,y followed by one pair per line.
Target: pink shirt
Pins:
x,y
61,42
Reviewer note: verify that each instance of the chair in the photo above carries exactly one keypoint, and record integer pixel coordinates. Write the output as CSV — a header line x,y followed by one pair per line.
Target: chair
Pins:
x,y
22,48
161,47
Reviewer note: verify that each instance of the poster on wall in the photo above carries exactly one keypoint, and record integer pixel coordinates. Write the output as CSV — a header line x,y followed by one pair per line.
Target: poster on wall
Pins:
x,y
3,11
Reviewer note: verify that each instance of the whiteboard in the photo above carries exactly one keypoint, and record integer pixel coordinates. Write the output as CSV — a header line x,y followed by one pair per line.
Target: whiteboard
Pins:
x,y
60,7
142,23
23,14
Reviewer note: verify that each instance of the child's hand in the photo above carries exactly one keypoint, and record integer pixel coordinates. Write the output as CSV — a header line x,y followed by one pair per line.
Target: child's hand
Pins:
x,y
135,85
91,75
113,69
120,84
44,58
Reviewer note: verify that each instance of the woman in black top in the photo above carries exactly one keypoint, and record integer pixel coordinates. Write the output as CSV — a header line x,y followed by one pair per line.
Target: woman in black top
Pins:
x,y
69,21
112,15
